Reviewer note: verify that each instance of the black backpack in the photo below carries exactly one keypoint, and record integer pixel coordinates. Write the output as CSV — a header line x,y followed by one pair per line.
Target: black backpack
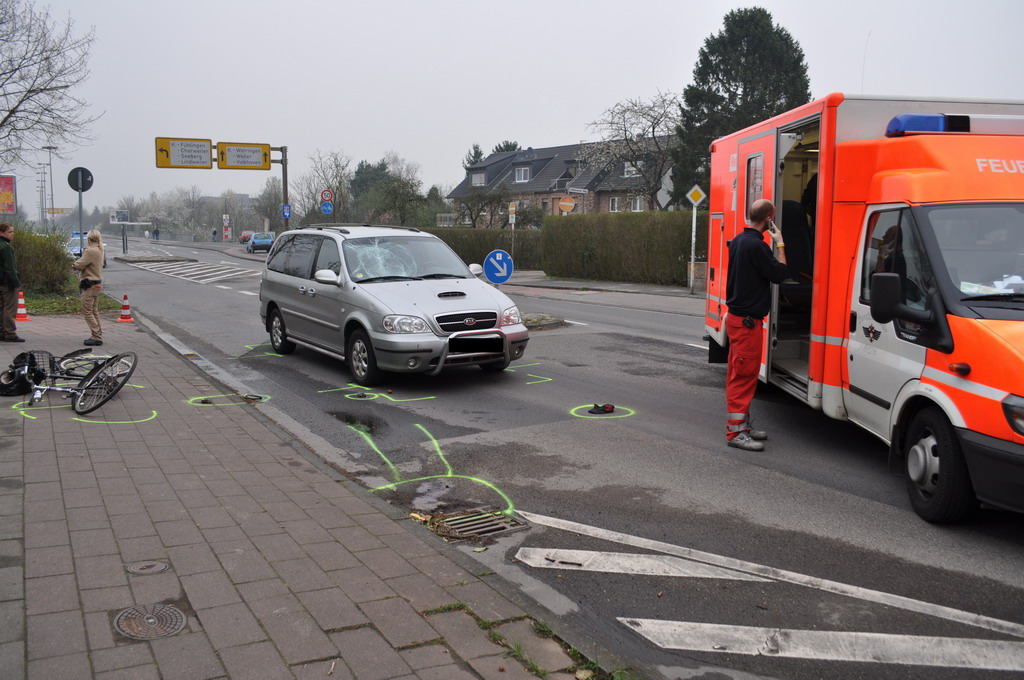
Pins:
x,y
14,383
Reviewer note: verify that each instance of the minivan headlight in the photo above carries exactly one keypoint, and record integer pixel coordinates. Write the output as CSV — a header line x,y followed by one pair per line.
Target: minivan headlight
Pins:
x,y
397,323
1013,409
510,317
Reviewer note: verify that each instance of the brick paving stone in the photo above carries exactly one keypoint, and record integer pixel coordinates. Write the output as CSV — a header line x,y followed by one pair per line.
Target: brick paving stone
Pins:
x,y
105,599
545,652
498,668
209,589
260,660
193,559
361,584
443,571
143,548
199,498
332,609
147,672
382,525
295,634
211,517
166,510
285,511
222,534
40,491
353,505
48,561
427,656
148,475
155,587
485,601
46,534
260,524
180,476
409,546
42,511
41,473
356,538
111,470
246,564
80,519
453,673
277,547
51,594
67,667
334,669
306,499
82,498
186,657
79,480
306,531
261,590
462,633
100,572
11,526
368,655
302,574
330,517
178,532
398,622
12,660
99,631
230,625
421,592
132,526
224,487
331,556
54,634
124,656
12,621
386,563
92,542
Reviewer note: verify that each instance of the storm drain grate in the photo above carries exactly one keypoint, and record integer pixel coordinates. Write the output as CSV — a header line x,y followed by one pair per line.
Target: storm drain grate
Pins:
x,y
471,524
147,567
149,621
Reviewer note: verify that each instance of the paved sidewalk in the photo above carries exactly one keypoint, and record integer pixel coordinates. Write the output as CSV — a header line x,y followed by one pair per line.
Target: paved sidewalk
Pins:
x,y
279,568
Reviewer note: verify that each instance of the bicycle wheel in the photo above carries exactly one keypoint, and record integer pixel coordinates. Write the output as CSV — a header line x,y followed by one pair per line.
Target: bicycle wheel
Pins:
x,y
79,363
103,382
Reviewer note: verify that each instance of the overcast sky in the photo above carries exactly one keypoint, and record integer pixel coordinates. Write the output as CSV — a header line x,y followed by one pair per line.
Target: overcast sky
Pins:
x,y
428,78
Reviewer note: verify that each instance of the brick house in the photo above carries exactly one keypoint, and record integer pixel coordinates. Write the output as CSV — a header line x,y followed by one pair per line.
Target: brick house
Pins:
x,y
541,177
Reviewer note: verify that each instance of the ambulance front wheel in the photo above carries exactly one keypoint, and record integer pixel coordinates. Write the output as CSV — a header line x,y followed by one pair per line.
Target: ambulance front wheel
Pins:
x,y
937,478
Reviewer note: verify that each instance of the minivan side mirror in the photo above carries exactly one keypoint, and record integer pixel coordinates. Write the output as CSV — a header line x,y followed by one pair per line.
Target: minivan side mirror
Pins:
x,y
326,276
887,301
476,270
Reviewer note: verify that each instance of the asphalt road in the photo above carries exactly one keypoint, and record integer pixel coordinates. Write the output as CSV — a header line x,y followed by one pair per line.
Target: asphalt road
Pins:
x,y
811,562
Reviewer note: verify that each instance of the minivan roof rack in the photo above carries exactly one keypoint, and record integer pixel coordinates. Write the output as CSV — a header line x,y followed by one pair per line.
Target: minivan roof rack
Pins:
x,y
343,226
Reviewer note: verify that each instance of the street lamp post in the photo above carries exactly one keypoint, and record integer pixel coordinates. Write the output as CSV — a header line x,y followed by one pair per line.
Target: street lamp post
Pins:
x,y
49,151
42,194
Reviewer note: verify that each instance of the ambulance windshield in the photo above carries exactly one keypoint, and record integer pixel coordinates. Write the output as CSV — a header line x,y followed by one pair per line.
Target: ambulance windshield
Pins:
x,y
982,246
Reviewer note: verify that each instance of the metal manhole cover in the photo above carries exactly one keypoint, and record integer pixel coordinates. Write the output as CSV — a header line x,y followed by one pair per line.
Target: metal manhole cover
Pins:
x,y
472,524
149,621
147,567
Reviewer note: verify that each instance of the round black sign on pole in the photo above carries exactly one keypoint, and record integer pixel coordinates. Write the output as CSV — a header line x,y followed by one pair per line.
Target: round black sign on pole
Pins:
x,y
80,179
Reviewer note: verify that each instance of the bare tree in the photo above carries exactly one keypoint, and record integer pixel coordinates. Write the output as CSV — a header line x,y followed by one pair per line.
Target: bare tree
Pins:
x,y
640,136
267,203
330,171
41,64
132,205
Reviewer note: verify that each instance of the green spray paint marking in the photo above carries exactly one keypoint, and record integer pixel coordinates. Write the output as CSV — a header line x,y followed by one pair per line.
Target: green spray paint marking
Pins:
x,y
396,474
152,416
370,395
21,408
197,401
540,379
586,407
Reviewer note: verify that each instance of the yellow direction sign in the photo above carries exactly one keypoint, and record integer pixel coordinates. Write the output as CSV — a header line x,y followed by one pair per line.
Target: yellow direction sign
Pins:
x,y
235,156
183,153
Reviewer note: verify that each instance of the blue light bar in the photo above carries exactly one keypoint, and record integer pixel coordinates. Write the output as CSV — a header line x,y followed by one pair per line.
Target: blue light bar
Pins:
x,y
915,122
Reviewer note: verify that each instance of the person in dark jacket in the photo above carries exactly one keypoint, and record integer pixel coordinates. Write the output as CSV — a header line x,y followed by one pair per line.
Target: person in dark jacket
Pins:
x,y
10,284
752,270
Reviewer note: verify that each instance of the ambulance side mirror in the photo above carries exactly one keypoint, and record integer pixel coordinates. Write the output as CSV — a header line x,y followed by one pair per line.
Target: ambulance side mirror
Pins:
x,y
887,301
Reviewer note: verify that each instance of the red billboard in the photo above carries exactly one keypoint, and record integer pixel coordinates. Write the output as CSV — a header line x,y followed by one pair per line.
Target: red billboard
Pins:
x,y
8,199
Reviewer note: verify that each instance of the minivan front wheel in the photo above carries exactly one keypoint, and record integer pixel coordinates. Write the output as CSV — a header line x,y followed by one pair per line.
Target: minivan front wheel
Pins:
x,y
278,335
362,362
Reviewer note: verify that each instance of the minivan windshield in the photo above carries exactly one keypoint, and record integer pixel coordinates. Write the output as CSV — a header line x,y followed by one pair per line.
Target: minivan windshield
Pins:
x,y
982,247
382,258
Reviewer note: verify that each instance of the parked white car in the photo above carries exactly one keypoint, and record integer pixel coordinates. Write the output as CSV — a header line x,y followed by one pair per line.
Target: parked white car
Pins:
x,y
385,299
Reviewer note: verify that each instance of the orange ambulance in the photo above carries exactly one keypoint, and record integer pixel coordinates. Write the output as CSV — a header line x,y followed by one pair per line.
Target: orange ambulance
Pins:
x,y
903,220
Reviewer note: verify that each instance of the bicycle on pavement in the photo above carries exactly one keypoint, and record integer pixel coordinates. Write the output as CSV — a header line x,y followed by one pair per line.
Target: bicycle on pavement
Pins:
x,y
99,377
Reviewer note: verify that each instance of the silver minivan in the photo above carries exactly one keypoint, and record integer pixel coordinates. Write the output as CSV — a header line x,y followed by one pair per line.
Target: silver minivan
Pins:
x,y
385,299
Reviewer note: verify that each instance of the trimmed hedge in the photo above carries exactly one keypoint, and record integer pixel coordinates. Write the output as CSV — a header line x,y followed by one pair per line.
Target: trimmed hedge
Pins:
x,y
644,247
44,263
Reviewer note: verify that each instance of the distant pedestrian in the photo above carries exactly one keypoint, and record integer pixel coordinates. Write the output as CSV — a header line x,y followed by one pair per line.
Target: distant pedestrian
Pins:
x,y
91,266
752,270
10,284
156,234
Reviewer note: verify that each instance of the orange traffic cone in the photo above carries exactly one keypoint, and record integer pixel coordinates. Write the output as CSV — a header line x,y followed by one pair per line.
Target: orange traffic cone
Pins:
x,y
22,312
126,312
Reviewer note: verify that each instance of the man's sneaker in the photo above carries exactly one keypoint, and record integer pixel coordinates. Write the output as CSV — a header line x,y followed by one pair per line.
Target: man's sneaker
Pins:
x,y
744,441
93,342
14,338
758,435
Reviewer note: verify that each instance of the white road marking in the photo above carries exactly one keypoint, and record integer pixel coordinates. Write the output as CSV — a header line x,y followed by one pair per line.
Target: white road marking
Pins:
x,y
832,645
224,287
626,563
879,597
575,323
246,292
693,344
198,272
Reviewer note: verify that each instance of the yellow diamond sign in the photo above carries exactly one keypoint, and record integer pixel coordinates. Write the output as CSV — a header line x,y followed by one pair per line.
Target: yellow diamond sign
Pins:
x,y
696,195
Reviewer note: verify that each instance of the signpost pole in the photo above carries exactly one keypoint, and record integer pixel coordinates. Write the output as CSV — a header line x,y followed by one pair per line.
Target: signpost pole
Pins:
x,y
284,179
696,196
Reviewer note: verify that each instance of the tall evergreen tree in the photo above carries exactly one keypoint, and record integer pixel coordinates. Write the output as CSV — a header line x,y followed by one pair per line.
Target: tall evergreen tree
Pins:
x,y
506,145
473,156
751,70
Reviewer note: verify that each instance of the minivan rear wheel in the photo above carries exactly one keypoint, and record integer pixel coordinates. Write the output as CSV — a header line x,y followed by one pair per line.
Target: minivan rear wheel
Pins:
x,y
278,335
362,362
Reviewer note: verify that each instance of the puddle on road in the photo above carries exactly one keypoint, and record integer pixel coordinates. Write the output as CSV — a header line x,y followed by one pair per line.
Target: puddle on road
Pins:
x,y
367,424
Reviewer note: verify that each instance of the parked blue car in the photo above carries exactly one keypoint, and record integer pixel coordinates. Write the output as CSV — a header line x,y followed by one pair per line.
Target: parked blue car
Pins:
x,y
261,240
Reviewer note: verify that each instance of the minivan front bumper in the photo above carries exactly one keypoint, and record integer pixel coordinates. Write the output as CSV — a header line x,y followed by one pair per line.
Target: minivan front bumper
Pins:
x,y
431,354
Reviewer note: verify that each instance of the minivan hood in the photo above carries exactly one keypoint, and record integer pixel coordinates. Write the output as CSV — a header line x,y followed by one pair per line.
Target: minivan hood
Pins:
x,y
430,297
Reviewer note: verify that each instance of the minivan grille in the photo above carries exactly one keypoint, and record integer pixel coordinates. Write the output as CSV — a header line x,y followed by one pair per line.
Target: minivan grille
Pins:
x,y
466,321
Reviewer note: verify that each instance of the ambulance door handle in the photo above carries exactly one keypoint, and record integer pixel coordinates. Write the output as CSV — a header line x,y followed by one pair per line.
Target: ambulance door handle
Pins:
x,y
853,322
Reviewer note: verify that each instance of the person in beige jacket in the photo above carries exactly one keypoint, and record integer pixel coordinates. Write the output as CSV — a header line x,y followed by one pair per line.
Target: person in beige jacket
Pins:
x,y
91,267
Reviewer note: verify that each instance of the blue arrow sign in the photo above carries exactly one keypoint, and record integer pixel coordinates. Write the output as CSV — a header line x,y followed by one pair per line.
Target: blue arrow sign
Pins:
x,y
498,266
327,207
286,212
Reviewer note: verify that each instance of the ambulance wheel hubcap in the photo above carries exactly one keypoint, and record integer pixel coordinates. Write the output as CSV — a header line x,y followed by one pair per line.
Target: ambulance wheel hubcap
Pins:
x,y
923,463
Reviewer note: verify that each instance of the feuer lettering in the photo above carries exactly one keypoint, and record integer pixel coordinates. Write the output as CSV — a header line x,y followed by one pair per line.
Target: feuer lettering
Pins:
x,y
1009,165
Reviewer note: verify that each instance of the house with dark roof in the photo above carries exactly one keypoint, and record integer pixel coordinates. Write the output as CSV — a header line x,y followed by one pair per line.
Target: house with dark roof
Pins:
x,y
542,177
